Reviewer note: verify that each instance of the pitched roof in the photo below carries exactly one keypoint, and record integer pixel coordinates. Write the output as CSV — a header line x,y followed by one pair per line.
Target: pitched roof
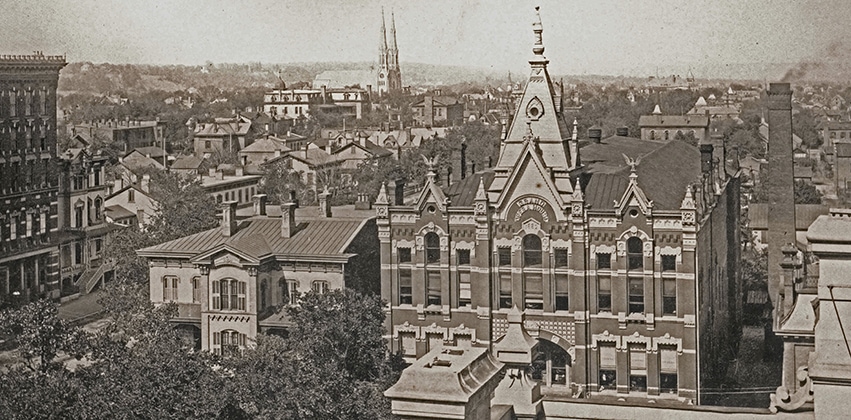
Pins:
x,y
187,162
261,237
135,160
152,151
463,193
265,145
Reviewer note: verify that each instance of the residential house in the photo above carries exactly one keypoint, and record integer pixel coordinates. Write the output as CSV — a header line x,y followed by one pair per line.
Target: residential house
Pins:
x,y
230,282
439,111
223,134
127,134
132,204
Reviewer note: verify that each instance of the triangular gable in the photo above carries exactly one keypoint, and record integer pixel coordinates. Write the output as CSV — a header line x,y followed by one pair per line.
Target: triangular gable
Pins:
x,y
634,196
207,255
431,193
530,168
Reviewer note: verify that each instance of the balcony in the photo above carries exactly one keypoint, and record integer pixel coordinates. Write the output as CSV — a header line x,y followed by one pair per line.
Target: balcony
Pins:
x,y
188,312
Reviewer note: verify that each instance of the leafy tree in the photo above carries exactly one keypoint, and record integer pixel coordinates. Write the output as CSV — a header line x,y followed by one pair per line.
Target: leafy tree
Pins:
x,y
41,336
687,137
184,208
804,125
279,179
805,193
482,142
333,365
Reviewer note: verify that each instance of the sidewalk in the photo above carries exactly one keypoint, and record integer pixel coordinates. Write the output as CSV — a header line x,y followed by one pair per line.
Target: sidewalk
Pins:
x,y
82,310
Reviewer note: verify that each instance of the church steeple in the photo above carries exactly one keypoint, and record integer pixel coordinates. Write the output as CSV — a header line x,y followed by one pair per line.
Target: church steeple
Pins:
x,y
382,43
393,51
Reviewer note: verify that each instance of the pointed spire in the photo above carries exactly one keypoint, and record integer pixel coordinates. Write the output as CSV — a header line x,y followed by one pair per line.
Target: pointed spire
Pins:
x,y
657,110
382,42
577,192
481,193
392,32
688,201
538,29
382,195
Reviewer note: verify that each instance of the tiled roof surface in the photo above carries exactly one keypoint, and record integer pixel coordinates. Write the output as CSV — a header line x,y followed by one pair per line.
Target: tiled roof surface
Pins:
x,y
262,237
187,162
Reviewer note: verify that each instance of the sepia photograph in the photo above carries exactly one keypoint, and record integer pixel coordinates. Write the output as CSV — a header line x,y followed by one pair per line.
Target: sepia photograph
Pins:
x,y
412,209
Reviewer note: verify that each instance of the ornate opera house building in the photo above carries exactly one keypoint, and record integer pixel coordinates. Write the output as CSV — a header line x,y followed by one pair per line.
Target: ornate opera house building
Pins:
x,y
623,262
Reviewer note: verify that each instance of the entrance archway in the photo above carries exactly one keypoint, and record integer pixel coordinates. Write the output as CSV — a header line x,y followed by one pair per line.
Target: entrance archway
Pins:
x,y
552,364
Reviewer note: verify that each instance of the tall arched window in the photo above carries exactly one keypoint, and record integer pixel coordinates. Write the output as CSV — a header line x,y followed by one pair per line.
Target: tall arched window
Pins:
x,y
432,246
531,251
634,252
228,295
533,281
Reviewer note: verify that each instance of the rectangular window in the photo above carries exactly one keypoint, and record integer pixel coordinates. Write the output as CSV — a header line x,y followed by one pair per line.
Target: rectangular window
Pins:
x,y
433,288
464,291
560,258
561,300
196,289
608,366
504,256
409,343
637,368
404,255
463,257
604,294
636,295
292,291
405,287
669,296
170,289
669,263
505,290
319,286
216,295
668,369
534,289
604,261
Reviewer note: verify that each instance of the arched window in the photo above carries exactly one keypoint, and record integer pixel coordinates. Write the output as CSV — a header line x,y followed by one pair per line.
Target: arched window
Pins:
x,y
228,342
635,256
666,134
98,208
531,251
319,286
652,134
432,246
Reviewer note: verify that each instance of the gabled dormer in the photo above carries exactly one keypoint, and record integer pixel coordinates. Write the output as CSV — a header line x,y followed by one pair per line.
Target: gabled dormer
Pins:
x,y
633,198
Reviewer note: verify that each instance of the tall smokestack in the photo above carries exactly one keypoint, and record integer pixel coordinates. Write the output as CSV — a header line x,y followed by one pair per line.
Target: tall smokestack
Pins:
x,y
781,186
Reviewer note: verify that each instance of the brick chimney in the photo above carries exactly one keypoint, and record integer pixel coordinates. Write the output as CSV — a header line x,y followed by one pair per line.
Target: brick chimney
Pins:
x,y
781,187
324,205
293,198
595,134
228,218
259,204
288,224
399,193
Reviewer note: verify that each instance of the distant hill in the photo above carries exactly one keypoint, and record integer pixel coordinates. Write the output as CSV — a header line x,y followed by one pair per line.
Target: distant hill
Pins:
x,y
86,77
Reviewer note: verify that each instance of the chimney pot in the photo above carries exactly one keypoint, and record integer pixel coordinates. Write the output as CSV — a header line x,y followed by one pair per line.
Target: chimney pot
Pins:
x,y
324,205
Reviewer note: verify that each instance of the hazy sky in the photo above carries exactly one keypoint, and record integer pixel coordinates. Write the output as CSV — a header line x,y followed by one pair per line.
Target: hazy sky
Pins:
x,y
635,37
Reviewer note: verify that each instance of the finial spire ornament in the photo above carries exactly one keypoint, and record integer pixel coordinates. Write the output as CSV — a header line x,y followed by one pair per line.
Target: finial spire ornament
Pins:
x,y
538,29
382,195
573,136
481,193
430,164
